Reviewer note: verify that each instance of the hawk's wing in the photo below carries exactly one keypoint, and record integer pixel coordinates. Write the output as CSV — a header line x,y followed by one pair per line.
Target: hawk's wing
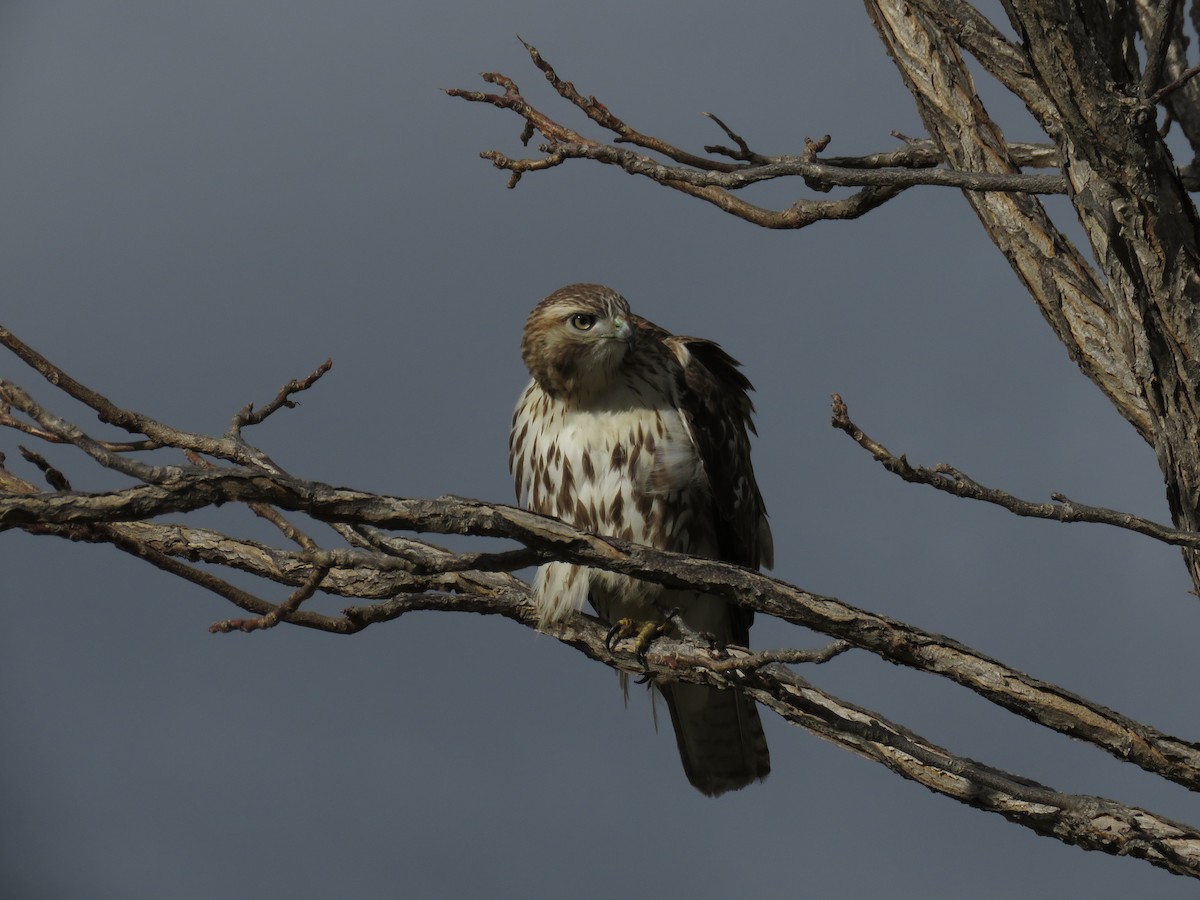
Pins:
x,y
712,396
719,734
716,405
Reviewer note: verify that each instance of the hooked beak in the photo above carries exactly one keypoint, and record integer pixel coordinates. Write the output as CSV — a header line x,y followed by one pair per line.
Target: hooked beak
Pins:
x,y
625,332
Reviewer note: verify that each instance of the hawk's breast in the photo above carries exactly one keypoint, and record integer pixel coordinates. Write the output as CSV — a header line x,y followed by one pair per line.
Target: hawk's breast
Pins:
x,y
623,466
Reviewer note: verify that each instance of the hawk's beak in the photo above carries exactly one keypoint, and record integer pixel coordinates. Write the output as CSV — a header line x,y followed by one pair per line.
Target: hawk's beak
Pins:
x,y
625,331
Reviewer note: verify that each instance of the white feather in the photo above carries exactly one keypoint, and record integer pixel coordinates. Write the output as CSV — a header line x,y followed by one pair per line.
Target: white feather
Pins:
x,y
596,444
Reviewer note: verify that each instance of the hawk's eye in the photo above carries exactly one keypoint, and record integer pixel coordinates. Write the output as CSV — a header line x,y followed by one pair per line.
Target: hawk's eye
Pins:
x,y
582,322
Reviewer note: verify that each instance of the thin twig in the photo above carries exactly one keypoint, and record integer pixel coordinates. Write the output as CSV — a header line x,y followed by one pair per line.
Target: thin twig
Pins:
x,y
1184,77
66,432
159,435
54,477
743,153
1157,45
247,414
280,613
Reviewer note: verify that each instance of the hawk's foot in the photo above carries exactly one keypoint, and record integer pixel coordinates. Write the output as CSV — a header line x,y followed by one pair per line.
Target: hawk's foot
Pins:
x,y
642,632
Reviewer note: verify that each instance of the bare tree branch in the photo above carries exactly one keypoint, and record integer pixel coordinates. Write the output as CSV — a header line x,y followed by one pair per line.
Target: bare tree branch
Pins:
x,y
1089,822
283,400
714,180
821,175
227,448
1181,94
1092,823
925,153
1178,84
189,488
1140,222
1162,26
1064,285
949,479
1000,58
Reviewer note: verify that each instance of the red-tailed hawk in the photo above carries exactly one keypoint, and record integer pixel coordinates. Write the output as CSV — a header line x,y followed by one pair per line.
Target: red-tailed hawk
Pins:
x,y
629,431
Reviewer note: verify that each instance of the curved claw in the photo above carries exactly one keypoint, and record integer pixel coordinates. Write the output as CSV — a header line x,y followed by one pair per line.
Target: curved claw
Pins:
x,y
623,628
643,634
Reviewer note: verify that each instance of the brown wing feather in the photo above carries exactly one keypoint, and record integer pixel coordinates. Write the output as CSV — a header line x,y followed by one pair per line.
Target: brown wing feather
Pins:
x,y
713,396
715,400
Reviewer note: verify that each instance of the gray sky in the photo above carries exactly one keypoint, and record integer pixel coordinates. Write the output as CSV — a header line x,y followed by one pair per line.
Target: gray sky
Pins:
x,y
200,202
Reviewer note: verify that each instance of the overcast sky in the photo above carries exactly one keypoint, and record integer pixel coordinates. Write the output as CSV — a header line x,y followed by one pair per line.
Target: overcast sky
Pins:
x,y
199,202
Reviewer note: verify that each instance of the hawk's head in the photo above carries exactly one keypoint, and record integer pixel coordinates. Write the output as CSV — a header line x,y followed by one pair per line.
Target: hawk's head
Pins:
x,y
577,338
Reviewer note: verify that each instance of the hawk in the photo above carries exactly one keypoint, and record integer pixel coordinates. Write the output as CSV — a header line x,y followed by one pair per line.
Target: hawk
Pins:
x,y
629,431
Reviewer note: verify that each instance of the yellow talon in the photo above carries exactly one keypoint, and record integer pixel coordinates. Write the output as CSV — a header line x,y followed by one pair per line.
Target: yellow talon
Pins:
x,y
623,628
646,635
643,634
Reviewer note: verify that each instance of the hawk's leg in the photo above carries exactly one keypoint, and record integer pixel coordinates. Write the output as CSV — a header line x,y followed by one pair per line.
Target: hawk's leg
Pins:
x,y
643,633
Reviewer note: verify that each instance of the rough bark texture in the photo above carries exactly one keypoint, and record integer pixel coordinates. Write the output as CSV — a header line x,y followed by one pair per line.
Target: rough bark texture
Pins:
x,y
1139,220
1070,295
397,575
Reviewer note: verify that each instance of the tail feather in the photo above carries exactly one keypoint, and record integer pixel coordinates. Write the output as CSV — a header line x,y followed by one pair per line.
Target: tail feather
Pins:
x,y
720,737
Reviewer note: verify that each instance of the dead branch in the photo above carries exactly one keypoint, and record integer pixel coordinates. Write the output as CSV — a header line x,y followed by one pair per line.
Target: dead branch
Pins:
x,y
108,454
403,574
1068,291
819,176
416,569
1092,823
550,539
283,400
714,180
947,478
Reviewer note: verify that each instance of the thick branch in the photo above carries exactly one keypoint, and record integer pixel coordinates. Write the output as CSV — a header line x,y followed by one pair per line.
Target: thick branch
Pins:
x,y
925,154
1088,822
1141,224
892,640
1000,58
1092,823
1070,296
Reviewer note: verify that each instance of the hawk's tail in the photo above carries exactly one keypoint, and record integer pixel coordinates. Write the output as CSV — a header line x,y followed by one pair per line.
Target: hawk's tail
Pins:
x,y
720,737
